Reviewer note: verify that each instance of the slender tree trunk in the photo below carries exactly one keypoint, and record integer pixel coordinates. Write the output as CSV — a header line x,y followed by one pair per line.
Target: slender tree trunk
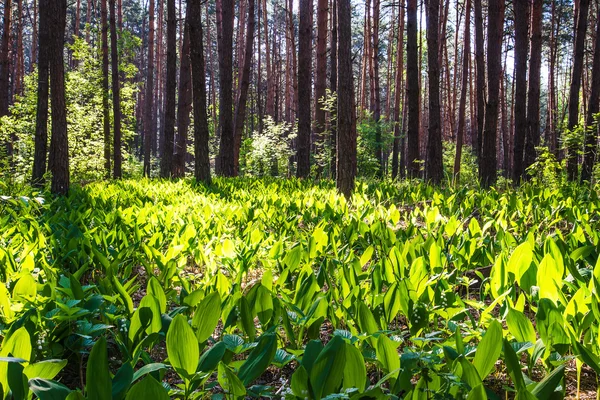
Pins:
x,y
88,20
480,69
225,50
20,64
240,108
304,88
58,161
434,169
166,165
412,89
399,93
533,100
213,92
116,89
148,103
346,117
184,104
333,85
41,125
201,133
521,9
105,94
591,138
552,106
321,73
34,38
575,87
460,132
494,53
4,59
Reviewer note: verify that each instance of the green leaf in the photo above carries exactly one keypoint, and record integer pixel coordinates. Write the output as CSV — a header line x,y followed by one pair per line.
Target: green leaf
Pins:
x,y
147,388
366,321
477,393
98,382
146,369
182,347
46,389
469,373
122,381
513,366
355,371
259,359
328,370
207,316
46,369
125,297
548,385
388,356
520,260
520,326
211,358
488,349
300,382
156,290
230,382
247,318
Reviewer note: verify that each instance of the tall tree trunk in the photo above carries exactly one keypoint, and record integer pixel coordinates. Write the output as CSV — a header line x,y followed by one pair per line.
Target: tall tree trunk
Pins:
x,y
88,20
34,38
166,165
591,138
480,72
201,133
333,85
576,84
321,74
4,59
240,108
434,169
270,103
375,88
20,64
399,93
494,52
105,93
304,88
533,99
148,100
225,50
521,10
346,117
116,89
412,89
552,106
460,132
184,105
58,161
41,121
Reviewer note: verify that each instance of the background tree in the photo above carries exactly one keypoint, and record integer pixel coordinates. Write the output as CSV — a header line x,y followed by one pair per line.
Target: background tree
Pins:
x,y
116,91
41,125
412,89
521,11
460,131
533,95
304,87
148,98
166,165
4,58
434,168
591,134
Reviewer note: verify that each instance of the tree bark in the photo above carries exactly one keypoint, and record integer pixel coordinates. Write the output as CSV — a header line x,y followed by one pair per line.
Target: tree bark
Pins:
x,y
105,94
116,89
591,138
20,63
346,117
375,87
533,99
240,108
184,105
494,52
399,93
41,121
521,10
333,86
460,132
412,89
148,100
201,133
434,169
225,50
166,165
480,72
58,161
575,87
321,73
4,59
304,88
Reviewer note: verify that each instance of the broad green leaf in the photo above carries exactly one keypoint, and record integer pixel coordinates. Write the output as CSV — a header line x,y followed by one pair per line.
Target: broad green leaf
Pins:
x,y
259,359
366,321
520,326
388,356
513,366
477,393
46,369
182,347
147,388
355,371
229,381
206,316
211,358
548,385
328,369
98,381
155,289
520,260
46,389
122,381
488,349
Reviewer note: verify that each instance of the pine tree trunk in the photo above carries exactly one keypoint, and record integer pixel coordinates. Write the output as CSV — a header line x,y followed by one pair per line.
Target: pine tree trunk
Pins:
x,y
88,20
399,93
320,74
434,169
34,38
346,117
166,165
552,106
184,105
575,87
4,59
460,132
20,65
521,9
376,92
240,108
494,53
148,100
225,50
201,133
105,94
41,121
304,88
116,92
58,161
333,85
412,90
533,99
480,73
591,138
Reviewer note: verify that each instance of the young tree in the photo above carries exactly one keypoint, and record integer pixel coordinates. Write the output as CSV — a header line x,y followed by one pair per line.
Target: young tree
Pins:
x,y
577,71
346,114
41,121
58,161
591,138
521,10
166,165
488,162
105,93
412,89
225,50
533,96
460,132
184,105
116,89
4,59
304,87
148,98
434,168
201,133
